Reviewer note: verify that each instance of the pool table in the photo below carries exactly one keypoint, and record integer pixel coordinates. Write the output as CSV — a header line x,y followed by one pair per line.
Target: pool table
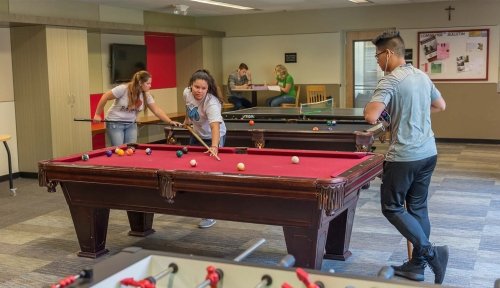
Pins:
x,y
322,113
296,134
314,201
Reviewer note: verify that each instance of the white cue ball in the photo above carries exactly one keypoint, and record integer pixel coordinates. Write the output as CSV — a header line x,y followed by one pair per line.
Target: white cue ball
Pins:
x,y
240,166
193,163
295,160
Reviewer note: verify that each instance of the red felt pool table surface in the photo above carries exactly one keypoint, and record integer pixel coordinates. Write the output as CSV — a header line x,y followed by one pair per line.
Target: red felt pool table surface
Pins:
x,y
264,162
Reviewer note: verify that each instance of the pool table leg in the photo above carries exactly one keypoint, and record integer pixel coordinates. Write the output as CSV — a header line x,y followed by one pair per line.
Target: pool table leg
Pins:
x,y
91,226
141,223
339,233
306,245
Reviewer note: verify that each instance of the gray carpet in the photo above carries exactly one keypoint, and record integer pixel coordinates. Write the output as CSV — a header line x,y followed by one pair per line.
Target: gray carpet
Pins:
x,y
38,244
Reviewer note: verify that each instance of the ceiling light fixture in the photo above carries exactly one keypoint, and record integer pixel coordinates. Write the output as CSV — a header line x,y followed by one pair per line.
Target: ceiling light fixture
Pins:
x,y
360,1
223,4
181,9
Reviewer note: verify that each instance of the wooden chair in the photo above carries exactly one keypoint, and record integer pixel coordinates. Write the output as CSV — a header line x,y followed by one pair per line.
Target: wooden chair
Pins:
x,y
297,96
226,106
316,93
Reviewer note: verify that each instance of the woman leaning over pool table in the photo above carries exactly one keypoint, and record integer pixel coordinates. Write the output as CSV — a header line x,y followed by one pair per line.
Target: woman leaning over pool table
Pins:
x,y
203,111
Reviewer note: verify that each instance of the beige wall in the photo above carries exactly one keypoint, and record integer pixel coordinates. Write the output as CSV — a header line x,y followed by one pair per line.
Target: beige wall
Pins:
x,y
318,56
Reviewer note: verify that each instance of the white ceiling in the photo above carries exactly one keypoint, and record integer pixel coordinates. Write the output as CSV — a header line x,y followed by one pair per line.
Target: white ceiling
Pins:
x,y
262,6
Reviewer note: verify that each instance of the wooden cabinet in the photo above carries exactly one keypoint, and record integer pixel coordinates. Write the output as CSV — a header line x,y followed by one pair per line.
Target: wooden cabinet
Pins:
x,y
54,61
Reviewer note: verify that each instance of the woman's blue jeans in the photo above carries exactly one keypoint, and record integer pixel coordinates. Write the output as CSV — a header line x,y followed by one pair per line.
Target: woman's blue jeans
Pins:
x,y
121,133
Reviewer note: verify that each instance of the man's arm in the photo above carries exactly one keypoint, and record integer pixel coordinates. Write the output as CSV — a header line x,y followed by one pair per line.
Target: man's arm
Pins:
x,y
438,105
372,111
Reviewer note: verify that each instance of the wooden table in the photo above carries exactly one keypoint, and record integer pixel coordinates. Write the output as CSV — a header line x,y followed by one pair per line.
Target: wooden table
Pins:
x,y
253,89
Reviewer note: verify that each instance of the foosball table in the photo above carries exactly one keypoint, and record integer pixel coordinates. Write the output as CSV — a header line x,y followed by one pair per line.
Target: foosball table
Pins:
x,y
137,267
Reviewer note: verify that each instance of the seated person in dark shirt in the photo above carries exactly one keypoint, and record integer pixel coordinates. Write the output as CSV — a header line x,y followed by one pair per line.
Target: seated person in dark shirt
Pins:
x,y
239,79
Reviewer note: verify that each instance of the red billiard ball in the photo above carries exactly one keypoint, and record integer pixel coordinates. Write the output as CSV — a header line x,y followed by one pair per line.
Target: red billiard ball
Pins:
x,y
315,129
251,123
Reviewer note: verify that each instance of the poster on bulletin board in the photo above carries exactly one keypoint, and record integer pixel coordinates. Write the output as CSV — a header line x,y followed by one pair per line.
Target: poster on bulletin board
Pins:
x,y
458,55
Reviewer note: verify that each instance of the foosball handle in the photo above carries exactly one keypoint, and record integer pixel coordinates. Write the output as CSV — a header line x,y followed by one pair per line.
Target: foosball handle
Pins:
x,y
386,272
86,273
287,261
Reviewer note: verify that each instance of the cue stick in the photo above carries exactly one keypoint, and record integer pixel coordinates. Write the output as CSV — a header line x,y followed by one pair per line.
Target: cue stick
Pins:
x,y
199,139
124,122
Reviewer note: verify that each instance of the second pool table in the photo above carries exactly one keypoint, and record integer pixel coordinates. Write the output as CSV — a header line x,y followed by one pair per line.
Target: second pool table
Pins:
x,y
314,201
292,134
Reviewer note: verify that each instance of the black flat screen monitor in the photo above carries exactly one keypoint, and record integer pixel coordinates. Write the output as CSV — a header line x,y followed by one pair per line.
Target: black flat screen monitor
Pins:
x,y
126,60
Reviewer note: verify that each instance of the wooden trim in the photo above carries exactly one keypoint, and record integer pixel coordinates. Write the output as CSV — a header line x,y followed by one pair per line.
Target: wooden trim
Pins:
x,y
103,27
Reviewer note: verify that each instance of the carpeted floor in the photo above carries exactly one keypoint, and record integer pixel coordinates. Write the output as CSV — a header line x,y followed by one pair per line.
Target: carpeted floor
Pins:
x,y
38,244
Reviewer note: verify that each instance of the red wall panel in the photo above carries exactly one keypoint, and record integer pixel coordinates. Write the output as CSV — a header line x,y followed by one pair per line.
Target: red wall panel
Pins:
x,y
161,59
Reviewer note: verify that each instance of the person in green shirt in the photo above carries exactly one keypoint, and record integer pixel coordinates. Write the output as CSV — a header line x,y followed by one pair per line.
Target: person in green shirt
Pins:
x,y
287,88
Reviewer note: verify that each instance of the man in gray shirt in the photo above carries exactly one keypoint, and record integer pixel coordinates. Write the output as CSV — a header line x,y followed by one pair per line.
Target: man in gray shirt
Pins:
x,y
408,96
239,79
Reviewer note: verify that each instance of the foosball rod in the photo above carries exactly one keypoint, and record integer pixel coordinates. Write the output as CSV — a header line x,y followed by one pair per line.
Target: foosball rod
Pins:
x,y
267,280
240,257
84,274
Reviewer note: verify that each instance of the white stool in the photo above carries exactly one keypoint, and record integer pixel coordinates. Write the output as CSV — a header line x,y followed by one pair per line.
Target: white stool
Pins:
x,y
4,138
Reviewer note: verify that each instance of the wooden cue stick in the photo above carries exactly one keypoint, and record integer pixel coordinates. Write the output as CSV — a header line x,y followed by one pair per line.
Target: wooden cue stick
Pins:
x,y
199,139
123,122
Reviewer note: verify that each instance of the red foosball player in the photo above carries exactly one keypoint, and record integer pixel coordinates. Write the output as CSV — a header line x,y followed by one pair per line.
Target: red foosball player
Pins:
x,y
213,277
84,274
150,282
304,277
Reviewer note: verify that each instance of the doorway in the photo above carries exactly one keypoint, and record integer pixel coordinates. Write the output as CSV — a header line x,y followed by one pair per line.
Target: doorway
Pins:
x,y
362,71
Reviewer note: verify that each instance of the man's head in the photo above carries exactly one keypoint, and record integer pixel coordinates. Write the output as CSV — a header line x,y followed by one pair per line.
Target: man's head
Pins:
x,y
242,69
390,50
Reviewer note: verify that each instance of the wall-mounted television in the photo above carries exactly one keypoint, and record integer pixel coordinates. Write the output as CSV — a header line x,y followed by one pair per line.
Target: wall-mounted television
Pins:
x,y
126,60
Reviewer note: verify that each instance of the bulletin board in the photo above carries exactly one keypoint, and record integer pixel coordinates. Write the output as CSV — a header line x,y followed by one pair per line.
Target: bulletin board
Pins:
x,y
456,55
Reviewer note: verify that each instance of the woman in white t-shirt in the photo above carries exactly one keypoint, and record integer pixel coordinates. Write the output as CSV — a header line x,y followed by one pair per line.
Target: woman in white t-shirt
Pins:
x,y
203,110
128,102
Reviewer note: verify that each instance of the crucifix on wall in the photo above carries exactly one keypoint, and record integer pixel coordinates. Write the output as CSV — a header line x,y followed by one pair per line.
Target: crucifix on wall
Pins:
x,y
449,9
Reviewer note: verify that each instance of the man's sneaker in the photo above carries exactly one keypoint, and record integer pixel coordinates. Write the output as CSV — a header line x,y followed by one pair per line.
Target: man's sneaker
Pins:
x,y
437,258
413,269
206,223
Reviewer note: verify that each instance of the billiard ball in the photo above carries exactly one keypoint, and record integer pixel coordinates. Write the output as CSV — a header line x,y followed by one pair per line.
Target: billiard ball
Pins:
x,y
117,149
129,152
148,151
330,128
328,123
179,153
193,163
315,129
240,166
131,148
85,157
251,123
295,160
334,122
120,152
109,153
185,150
